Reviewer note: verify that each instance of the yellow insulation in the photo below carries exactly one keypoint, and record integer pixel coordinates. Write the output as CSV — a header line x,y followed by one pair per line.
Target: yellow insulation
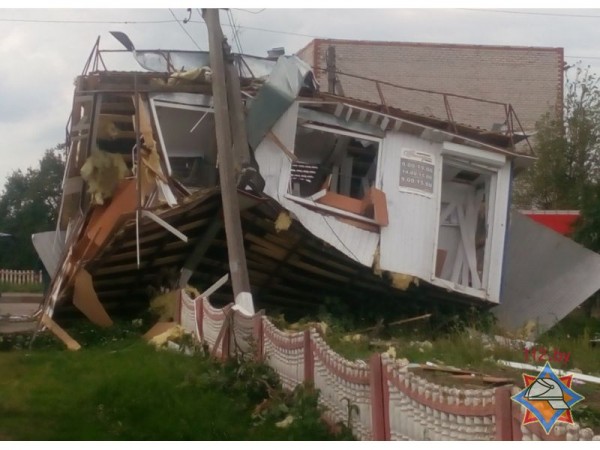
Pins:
x,y
102,172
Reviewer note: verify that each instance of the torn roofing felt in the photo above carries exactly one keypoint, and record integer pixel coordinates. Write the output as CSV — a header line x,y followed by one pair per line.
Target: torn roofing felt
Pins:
x,y
546,276
289,76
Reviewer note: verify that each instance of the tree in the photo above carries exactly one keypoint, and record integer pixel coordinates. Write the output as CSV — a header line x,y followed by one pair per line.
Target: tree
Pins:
x,y
568,149
29,204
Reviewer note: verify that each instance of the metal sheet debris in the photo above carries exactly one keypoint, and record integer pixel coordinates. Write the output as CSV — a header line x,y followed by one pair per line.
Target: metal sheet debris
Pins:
x,y
546,276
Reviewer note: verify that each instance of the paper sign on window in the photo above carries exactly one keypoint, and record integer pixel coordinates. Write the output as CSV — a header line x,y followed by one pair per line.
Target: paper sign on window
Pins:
x,y
416,172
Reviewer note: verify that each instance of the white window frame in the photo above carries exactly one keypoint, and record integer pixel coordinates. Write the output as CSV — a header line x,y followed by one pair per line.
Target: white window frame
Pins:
x,y
486,163
157,102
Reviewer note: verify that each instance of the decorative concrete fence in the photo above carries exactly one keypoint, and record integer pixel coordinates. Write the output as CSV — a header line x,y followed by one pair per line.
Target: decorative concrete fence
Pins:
x,y
379,399
20,276
419,409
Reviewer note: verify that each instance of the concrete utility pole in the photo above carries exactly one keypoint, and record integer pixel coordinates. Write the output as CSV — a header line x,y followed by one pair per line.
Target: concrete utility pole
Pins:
x,y
228,182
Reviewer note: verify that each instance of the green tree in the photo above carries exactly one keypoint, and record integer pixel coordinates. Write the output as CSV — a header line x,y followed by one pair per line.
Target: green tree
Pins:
x,y
29,204
568,149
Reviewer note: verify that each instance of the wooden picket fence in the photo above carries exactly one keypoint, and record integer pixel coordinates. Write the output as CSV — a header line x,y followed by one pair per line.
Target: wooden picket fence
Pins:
x,y
20,277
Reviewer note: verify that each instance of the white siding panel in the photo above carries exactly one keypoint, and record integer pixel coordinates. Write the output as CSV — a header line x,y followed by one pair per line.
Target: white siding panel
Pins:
x,y
407,243
359,245
49,246
498,232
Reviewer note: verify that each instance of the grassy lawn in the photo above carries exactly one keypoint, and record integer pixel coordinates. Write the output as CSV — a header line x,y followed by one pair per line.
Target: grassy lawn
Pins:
x,y
25,288
123,389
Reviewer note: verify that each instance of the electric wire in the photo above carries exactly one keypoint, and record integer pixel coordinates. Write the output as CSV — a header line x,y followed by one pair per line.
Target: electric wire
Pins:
x,y
251,12
245,27
110,22
528,13
184,30
236,37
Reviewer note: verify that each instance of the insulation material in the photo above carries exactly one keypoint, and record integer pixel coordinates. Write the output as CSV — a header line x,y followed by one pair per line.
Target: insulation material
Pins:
x,y
546,276
86,300
283,222
151,168
103,171
402,281
376,266
172,333
197,74
165,306
107,129
157,329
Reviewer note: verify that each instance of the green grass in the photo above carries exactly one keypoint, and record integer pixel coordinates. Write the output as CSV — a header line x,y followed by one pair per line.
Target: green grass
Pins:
x,y
32,288
123,389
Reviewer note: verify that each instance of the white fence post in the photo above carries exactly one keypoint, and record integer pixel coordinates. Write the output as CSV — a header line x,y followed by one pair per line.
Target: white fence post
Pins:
x,y
20,277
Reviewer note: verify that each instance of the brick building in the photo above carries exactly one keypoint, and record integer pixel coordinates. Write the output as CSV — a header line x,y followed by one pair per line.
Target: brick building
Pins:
x,y
528,78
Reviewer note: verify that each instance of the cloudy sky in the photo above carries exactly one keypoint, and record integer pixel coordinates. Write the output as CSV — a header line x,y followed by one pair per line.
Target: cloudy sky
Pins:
x,y
42,51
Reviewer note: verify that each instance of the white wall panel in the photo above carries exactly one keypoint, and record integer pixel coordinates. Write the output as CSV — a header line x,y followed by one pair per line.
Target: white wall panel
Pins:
x,y
407,243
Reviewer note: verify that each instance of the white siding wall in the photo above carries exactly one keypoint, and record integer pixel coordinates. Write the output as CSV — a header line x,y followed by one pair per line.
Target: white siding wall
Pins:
x,y
498,234
359,245
408,242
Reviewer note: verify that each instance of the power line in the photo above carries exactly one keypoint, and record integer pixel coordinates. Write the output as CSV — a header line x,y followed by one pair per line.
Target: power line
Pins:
x,y
111,22
290,33
183,28
236,37
248,11
583,57
527,13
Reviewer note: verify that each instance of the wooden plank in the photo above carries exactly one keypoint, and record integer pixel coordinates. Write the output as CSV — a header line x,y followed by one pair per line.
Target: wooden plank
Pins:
x,y
216,286
466,221
288,243
134,267
116,117
202,245
263,243
482,378
458,263
279,255
303,251
295,261
165,225
346,175
176,245
71,343
267,263
282,146
86,300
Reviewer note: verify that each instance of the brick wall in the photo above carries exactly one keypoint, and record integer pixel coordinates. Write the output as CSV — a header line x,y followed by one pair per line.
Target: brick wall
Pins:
x,y
529,78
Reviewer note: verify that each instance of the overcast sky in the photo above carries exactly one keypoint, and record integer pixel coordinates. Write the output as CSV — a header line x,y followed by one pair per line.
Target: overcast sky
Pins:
x,y
39,60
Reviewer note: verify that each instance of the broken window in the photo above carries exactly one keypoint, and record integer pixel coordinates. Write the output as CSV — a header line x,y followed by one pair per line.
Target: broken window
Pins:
x,y
187,135
466,208
335,168
333,160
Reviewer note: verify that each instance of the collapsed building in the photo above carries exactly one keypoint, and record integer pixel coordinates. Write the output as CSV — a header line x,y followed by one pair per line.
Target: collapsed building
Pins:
x,y
339,197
